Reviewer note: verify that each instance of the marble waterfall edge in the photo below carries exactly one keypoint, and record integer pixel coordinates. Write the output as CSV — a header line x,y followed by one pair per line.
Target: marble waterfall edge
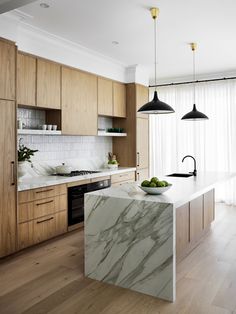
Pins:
x,y
129,243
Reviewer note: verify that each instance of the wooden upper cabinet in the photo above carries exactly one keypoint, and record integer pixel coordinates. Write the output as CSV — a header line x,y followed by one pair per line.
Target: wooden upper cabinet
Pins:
x,y
79,102
105,101
142,143
7,70
7,178
26,80
48,84
142,97
119,100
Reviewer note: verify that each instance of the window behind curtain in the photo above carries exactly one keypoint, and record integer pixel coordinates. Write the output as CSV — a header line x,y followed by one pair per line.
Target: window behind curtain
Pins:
x,y
211,142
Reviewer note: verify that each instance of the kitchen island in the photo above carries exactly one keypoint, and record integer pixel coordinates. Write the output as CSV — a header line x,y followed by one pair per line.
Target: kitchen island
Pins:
x,y
132,239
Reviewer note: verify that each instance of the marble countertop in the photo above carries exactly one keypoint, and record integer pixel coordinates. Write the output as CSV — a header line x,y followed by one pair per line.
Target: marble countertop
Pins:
x,y
182,191
43,181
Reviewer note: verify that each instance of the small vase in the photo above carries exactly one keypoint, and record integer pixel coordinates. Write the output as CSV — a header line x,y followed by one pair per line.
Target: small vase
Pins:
x,y
22,165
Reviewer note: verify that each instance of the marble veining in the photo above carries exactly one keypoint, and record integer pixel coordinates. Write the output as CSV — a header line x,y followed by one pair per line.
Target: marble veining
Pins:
x,y
129,243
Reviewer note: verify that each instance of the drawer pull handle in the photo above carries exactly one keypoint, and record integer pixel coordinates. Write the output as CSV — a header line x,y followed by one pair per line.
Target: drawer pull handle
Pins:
x,y
39,222
138,159
13,172
44,203
44,191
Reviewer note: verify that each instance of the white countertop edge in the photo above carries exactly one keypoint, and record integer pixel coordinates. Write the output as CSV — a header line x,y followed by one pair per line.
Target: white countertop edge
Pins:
x,y
44,181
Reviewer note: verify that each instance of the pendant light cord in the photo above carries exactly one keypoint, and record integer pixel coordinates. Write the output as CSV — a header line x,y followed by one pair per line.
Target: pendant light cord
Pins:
x,y
155,49
194,76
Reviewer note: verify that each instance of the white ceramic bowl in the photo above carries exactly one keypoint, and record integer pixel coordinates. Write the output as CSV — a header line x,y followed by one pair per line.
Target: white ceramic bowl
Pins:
x,y
155,191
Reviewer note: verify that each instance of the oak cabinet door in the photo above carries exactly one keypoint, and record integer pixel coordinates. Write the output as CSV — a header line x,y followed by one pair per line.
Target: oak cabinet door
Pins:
x,y
7,178
7,70
105,101
48,84
119,100
182,230
26,80
79,102
196,219
142,97
142,174
209,208
142,143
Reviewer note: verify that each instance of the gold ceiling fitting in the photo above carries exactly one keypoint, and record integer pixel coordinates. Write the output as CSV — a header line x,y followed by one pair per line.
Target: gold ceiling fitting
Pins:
x,y
154,12
193,46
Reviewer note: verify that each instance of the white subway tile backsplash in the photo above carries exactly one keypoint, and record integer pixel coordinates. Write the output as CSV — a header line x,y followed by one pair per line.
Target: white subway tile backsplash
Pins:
x,y
88,152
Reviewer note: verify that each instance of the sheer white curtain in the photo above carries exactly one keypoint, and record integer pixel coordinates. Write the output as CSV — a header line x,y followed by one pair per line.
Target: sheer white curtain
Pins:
x,y
211,142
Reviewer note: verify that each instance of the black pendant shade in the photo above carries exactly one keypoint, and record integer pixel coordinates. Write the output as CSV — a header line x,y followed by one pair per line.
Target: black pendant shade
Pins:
x,y
194,115
156,106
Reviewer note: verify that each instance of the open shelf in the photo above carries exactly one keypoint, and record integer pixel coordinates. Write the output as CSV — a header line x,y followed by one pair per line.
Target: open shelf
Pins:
x,y
104,133
37,132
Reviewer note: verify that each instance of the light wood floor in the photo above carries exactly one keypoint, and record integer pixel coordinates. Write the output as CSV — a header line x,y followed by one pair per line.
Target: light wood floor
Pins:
x,y
49,279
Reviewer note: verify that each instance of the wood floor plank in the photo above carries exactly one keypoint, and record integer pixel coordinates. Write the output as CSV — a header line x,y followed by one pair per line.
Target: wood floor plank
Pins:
x,y
20,299
57,298
226,295
27,271
93,299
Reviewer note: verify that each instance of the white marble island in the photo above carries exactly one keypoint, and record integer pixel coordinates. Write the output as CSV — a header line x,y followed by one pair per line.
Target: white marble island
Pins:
x,y
130,237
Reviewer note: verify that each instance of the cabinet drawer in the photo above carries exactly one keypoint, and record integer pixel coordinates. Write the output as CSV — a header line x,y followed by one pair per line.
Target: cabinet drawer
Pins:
x,y
121,183
127,176
39,208
41,229
100,179
41,193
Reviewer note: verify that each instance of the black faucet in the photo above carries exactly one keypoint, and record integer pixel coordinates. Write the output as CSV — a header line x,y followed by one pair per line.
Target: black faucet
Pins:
x,y
195,167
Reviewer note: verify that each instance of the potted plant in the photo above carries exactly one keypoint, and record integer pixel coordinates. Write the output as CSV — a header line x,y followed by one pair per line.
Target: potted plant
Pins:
x,y
112,162
24,156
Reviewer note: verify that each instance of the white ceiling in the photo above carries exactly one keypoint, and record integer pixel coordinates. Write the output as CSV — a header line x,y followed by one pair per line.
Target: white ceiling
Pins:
x,y
96,23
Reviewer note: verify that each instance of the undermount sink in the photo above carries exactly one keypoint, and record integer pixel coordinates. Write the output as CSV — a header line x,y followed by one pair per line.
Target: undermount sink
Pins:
x,y
181,175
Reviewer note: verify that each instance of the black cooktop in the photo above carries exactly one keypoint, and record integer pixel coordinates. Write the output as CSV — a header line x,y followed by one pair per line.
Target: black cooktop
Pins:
x,y
77,173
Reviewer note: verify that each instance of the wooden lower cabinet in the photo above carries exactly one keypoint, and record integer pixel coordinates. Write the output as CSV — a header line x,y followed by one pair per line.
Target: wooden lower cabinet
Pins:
x,y
182,230
42,214
196,219
36,209
193,220
41,229
123,177
209,208
41,193
142,174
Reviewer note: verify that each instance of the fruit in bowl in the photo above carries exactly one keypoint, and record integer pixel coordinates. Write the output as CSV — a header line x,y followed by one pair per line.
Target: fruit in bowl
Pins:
x,y
155,186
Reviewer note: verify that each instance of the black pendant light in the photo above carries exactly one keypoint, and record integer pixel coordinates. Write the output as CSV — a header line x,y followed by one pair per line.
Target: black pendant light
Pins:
x,y
155,106
194,115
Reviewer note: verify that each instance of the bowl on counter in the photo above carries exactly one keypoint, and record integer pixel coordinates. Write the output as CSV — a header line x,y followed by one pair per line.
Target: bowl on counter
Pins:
x,y
155,190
